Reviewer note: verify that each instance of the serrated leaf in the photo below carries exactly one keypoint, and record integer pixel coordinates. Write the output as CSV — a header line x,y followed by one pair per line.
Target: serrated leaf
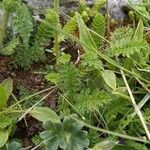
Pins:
x,y
6,88
53,77
44,114
105,145
10,47
71,25
91,59
3,137
98,25
85,35
64,58
110,78
5,121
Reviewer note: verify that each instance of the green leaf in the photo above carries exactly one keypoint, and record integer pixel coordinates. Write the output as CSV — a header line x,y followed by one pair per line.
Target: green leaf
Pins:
x,y
105,145
8,85
71,25
110,78
121,91
6,121
85,35
44,114
98,25
3,137
53,77
88,101
67,135
6,88
139,31
13,146
92,60
64,58
9,49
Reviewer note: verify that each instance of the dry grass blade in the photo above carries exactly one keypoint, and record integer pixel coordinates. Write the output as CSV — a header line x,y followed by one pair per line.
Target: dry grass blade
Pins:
x,y
137,110
35,105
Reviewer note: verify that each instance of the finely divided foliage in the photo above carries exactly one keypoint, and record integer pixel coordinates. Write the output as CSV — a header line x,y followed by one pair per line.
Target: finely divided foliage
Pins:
x,y
98,79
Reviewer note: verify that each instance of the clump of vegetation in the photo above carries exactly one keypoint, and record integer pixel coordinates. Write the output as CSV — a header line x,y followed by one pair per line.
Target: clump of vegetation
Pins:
x,y
99,96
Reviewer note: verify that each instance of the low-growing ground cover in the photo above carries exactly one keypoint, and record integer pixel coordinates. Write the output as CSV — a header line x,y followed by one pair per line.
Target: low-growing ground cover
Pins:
x,y
78,84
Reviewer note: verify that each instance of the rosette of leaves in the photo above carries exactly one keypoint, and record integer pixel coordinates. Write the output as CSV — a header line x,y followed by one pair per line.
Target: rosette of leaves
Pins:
x,y
67,135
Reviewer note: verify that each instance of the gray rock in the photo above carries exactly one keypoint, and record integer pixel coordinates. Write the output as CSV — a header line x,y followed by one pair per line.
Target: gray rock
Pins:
x,y
116,7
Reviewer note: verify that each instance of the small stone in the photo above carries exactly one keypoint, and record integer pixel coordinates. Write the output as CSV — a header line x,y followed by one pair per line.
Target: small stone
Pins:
x,y
115,6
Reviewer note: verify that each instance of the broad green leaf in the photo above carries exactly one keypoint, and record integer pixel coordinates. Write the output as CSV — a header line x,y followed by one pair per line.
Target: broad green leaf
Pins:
x,y
105,145
3,137
44,114
13,146
6,88
8,85
110,78
139,31
85,35
67,135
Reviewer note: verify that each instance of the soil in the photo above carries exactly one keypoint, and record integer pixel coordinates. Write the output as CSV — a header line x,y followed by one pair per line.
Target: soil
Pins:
x,y
32,81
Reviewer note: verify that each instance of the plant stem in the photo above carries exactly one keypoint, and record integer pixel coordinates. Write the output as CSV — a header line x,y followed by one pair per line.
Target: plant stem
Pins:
x,y
137,110
26,98
111,132
27,111
108,21
56,40
3,27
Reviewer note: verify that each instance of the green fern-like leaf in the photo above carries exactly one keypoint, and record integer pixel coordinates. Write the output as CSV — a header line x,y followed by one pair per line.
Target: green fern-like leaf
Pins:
x,y
94,137
23,57
116,107
9,49
98,5
71,25
22,22
10,4
91,60
82,6
98,26
123,43
91,101
5,122
43,35
45,31
122,32
70,79
26,56
128,46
